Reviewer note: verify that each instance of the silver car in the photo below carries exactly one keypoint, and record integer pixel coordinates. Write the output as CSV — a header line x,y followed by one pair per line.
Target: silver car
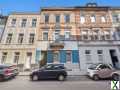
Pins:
x,y
102,71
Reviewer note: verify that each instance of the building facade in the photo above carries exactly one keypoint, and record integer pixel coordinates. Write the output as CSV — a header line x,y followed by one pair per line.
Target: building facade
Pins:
x,y
19,39
74,36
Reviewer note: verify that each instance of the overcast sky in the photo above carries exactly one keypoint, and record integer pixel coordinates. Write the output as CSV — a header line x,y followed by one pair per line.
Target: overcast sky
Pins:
x,y
9,6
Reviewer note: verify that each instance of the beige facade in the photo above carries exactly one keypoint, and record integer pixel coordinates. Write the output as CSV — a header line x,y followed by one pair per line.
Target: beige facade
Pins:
x,y
24,46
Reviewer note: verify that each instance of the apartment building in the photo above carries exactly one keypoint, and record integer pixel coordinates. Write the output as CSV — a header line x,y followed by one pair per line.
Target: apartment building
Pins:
x,y
78,36
74,36
19,40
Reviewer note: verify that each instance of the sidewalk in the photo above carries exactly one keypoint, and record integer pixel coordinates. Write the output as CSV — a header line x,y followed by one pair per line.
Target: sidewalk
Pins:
x,y
24,73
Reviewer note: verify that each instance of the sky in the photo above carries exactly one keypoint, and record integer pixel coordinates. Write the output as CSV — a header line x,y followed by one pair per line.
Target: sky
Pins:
x,y
8,6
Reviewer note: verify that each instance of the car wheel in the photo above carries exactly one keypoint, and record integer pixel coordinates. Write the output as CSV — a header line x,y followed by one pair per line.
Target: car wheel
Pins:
x,y
35,77
61,77
1,77
115,77
96,77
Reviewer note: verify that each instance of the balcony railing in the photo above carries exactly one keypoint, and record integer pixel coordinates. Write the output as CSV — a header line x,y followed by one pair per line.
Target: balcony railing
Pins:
x,y
58,43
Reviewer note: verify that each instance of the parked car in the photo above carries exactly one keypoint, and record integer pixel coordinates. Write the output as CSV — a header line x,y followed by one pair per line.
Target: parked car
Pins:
x,y
6,72
50,71
15,69
102,71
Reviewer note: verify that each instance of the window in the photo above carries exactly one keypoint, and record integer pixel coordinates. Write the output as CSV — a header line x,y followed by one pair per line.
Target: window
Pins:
x,y
103,66
100,52
93,19
88,56
4,57
100,55
31,39
82,19
118,32
57,18
56,35
16,57
107,35
23,24
87,52
46,18
102,37
84,34
20,38
94,35
9,38
67,35
34,21
0,19
45,35
13,22
116,18
67,18
103,19
49,67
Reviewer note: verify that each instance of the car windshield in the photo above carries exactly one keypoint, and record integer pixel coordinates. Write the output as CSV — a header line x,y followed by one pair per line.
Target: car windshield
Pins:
x,y
93,66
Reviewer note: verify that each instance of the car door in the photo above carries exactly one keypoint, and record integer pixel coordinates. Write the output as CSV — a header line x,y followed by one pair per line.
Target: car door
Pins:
x,y
102,71
108,71
48,72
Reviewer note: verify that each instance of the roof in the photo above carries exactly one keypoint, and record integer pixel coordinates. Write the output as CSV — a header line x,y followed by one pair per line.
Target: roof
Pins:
x,y
75,8
25,13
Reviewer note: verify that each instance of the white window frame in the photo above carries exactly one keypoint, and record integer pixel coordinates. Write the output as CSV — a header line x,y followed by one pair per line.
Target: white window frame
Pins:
x,y
93,18
103,19
82,19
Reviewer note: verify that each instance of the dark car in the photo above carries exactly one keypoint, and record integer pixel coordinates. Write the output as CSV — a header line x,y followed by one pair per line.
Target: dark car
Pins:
x,y
6,72
51,71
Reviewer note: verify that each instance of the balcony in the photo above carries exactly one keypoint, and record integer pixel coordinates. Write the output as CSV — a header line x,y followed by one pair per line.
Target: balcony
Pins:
x,y
59,44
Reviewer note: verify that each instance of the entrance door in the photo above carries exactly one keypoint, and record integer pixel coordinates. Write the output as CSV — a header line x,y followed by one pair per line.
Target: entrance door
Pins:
x,y
28,61
68,57
114,58
56,57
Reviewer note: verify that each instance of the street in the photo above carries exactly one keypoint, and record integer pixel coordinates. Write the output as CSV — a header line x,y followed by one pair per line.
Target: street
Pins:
x,y
72,83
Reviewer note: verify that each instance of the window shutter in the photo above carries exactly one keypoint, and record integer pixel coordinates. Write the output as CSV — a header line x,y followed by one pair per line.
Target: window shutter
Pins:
x,y
62,56
49,57
75,56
